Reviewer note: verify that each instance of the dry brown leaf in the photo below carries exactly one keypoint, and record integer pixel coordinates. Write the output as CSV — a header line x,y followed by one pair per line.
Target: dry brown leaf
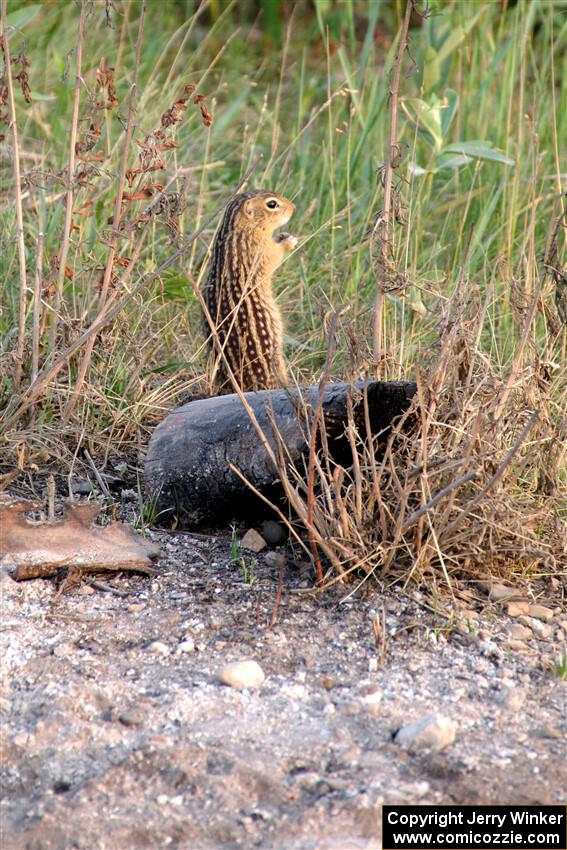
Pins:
x,y
40,549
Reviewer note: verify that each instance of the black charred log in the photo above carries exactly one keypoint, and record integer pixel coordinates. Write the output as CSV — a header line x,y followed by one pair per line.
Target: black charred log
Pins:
x,y
187,468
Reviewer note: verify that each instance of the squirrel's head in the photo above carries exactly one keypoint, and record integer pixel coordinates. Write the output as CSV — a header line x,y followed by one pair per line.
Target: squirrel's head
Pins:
x,y
264,211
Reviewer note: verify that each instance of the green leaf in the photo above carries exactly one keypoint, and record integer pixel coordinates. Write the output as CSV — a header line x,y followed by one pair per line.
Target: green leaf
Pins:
x,y
272,19
35,96
477,244
164,368
21,17
431,69
426,118
445,162
450,104
458,35
479,150
433,74
417,170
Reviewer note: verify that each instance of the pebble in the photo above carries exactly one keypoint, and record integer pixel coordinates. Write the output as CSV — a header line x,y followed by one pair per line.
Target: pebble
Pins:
x,y
82,487
253,541
489,648
130,718
513,698
242,674
542,630
519,632
63,650
432,732
275,559
501,593
159,647
516,609
517,645
187,645
273,532
372,696
548,731
540,612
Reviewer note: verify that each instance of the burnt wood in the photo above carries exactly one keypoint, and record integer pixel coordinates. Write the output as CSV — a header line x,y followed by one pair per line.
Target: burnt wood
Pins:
x,y
187,468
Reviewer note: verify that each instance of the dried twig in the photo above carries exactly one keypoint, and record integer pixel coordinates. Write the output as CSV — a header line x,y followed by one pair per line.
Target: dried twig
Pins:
x,y
38,282
274,617
65,242
470,476
313,445
101,482
448,530
18,200
382,228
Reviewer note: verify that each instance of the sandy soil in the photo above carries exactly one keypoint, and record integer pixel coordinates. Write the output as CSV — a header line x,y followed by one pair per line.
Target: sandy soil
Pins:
x,y
117,734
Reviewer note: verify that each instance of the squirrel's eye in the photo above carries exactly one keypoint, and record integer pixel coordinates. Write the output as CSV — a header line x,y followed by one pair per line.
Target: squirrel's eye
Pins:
x,y
271,204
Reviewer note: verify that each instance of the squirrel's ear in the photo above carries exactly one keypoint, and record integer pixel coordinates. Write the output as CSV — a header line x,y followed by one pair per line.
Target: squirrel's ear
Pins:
x,y
247,209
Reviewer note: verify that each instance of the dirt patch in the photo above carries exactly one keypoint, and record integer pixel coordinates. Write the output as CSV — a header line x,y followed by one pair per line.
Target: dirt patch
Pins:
x,y
117,734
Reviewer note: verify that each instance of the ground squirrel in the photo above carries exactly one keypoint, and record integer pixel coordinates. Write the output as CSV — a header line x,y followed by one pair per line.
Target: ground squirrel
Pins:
x,y
238,292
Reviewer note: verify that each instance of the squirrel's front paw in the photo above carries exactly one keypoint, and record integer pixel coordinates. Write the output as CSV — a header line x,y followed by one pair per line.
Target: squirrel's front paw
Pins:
x,y
288,241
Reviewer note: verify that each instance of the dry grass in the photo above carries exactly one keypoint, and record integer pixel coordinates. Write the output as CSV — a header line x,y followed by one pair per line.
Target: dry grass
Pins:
x,y
108,245
469,485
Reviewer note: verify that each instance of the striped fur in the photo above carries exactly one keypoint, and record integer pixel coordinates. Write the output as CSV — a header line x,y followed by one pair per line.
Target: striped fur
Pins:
x,y
238,294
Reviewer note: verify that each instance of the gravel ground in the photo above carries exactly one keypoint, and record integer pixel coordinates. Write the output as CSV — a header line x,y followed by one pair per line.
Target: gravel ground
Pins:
x,y
118,735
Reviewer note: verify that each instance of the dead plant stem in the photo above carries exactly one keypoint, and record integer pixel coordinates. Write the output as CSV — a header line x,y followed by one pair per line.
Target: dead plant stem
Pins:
x,y
112,307
470,476
65,242
384,229
38,284
312,448
22,305
87,352
448,530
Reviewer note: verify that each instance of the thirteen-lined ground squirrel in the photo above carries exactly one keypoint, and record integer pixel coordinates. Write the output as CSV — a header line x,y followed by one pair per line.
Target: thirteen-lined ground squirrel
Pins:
x,y
238,292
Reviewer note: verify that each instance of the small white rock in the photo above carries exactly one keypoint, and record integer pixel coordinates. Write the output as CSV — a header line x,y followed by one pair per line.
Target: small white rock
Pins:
x,y
431,732
187,645
542,630
242,674
372,698
159,647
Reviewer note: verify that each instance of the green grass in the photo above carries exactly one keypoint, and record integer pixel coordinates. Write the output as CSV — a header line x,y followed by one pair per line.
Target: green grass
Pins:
x,y
312,101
